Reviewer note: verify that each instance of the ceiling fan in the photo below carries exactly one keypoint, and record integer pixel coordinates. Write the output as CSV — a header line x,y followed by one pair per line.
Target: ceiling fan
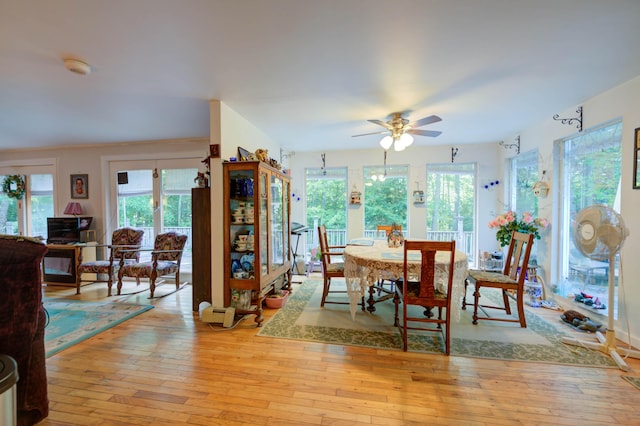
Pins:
x,y
399,130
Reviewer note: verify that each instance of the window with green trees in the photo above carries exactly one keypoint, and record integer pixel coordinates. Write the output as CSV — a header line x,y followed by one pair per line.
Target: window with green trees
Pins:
x,y
524,174
326,202
590,172
385,197
450,204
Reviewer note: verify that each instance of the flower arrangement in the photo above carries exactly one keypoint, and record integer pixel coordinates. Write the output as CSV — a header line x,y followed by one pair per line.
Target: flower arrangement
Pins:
x,y
509,222
315,253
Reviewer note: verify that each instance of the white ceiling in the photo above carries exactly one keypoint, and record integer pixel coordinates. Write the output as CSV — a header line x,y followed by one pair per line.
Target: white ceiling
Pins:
x,y
308,73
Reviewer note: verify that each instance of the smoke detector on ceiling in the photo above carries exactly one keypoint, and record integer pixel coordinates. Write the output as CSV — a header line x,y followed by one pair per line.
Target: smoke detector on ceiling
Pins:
x,y
77,66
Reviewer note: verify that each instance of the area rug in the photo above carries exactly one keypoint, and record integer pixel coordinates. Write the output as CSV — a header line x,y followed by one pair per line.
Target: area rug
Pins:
x,y
635,381
72,321
303,319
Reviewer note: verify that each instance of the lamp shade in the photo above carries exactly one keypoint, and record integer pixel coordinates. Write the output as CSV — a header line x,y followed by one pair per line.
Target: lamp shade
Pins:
x,y
386,142
73,208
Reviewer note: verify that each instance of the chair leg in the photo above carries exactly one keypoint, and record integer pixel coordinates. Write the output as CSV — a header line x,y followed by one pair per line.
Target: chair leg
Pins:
x,y
152,283
520,303
325,290
464,295
404,327
507,305
396,302
177,280
476,301
109,284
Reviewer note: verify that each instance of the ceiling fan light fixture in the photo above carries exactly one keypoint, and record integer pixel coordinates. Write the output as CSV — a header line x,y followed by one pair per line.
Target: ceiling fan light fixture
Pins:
x,y
406,139
386,142
398,144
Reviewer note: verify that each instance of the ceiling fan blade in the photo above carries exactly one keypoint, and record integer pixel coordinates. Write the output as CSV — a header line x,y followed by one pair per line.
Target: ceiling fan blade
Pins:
x,y
381,123
432,133
425,121
374,133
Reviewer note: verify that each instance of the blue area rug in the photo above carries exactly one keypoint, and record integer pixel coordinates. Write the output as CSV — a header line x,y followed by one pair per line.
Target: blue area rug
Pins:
x,y
72,321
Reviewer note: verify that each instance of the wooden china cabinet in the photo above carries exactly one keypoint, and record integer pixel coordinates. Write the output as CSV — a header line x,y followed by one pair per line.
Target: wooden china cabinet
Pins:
x,y
256,234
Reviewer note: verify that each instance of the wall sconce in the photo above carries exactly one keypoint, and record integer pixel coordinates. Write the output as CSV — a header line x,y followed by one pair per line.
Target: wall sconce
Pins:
x,y
512,145
570,121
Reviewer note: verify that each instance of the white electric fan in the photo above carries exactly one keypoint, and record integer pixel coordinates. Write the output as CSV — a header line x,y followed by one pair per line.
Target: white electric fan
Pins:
x,y
598,232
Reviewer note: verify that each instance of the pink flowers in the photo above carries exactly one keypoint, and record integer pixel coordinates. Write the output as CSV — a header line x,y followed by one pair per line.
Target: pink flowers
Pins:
x,y
509,222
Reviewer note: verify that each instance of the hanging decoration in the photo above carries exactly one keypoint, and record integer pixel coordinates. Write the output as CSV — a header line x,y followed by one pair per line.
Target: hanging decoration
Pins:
x,y
491,185
541,188
570,121
454,152
324,165
13,186
418,195
356,196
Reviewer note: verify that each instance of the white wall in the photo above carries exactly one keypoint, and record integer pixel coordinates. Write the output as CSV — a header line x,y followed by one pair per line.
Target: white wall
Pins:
x,y
92,160
230,130
621,101
416,157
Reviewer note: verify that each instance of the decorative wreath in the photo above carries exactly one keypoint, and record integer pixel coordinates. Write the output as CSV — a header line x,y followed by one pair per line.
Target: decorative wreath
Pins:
x,y
15,181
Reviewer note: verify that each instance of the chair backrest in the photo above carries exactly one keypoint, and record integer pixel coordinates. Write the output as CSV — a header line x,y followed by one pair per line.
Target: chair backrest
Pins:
x,y
428,251
170,241
388,228
324,246
518,256
126,237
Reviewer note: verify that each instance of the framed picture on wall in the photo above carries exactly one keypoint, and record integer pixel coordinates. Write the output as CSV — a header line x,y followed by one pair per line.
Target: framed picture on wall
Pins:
x,y
79,186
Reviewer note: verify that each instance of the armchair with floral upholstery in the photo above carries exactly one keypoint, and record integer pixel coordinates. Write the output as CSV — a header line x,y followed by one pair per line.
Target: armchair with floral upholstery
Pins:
x,y
121,239
165,260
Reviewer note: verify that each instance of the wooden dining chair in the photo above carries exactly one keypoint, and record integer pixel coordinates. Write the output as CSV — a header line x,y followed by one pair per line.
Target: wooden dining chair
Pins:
x,y
332,264
510,281
423,291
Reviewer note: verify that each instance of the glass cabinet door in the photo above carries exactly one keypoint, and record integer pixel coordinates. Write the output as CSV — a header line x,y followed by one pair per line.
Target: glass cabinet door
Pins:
x,y
277,229
241,216
264,229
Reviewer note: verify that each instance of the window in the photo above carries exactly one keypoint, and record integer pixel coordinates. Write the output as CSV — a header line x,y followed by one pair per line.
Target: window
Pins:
x,y
590,170
385,197
450,205
326,203
524,174
29,217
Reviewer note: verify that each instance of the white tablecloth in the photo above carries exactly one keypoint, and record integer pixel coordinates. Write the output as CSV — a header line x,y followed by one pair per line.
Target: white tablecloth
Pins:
x,y
365,264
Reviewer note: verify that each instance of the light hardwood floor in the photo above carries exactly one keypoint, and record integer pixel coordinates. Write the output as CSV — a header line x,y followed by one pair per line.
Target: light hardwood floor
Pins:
x,y
165,367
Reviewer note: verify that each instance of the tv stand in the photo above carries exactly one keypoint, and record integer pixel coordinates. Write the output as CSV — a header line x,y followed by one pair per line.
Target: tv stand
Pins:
x,y
59,266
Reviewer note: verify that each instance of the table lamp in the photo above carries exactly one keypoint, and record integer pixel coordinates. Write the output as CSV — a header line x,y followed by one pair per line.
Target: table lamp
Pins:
x,y
73,209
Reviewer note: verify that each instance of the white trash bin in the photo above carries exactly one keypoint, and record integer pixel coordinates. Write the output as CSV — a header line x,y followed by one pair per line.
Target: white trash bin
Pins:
x,y
8,380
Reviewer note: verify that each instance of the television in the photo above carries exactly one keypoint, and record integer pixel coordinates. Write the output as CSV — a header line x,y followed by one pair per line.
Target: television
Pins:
x,y
63,230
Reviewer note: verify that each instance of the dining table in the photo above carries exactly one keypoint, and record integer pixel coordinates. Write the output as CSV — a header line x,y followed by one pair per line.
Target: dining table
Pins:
x,y
367,261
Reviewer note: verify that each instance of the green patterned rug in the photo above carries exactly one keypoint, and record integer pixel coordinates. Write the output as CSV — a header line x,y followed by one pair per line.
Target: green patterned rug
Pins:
x,y
72,321
635,381
303,319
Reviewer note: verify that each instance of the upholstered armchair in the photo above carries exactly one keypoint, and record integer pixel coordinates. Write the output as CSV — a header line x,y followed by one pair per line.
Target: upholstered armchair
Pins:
x,y
121,239
165,260
22,322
